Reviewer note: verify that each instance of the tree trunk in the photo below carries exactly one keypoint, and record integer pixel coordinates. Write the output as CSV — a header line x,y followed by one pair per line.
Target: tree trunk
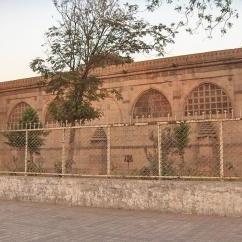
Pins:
x,y
182,164
71,150
31,157
30,163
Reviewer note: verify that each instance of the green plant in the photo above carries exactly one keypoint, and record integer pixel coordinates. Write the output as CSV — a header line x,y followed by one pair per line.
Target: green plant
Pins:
x,y
27,132
152,156
181,140
58,167
173,140
35,166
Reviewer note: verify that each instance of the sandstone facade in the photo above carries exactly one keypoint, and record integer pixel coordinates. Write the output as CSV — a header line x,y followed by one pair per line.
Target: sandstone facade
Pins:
x,y
174,78
206,85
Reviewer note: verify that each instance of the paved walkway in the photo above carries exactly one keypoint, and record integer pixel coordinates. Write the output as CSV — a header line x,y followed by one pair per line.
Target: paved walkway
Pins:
x,y
42,222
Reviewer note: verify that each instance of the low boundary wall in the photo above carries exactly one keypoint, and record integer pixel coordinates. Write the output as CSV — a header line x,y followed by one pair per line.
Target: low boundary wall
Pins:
x,y
192,197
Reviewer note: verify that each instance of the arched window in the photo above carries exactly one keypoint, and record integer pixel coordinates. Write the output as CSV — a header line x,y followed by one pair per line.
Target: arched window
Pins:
x,y
152,104
207,98
17,112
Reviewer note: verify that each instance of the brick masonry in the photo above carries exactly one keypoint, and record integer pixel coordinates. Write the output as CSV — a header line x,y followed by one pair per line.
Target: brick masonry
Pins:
x,y
191,197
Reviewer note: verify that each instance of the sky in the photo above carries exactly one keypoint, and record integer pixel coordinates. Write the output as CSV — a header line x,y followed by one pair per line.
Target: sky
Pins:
x,y
24,22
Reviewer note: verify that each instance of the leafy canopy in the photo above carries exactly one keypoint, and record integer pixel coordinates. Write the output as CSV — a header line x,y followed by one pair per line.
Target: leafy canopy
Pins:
x,y
96,33
208,14
90,34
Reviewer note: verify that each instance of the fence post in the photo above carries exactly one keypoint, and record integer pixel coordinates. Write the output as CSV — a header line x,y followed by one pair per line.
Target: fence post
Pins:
x,y
221,150
108,150
63,155
159,152
26,152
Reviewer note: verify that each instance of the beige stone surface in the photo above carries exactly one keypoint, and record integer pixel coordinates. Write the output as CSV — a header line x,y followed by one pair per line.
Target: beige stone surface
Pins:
x,y
202,197
174,77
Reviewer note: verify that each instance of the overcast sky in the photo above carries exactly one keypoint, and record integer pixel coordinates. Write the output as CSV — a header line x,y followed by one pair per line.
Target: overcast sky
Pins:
x,y
24,22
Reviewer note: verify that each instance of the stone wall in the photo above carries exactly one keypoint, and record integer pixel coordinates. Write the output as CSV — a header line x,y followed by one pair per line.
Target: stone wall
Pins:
x,y
204,198
173,77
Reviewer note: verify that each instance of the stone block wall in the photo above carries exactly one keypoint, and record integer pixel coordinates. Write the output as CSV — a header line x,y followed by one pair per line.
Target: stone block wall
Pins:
x,y
174,77
192,197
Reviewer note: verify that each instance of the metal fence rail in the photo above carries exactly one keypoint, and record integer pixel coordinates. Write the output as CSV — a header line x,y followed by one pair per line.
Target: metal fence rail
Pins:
x,y
207,149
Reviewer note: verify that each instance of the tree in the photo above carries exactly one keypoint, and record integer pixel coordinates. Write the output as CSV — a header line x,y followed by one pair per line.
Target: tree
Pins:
x,y
35,140
208,14
89,34
94,33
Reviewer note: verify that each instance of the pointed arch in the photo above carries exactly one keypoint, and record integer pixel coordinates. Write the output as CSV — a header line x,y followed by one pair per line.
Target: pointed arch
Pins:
x,y
207,98
151,103
17,112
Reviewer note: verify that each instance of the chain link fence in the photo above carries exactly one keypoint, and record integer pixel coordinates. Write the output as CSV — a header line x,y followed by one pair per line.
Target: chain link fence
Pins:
x,y
188,149
134,150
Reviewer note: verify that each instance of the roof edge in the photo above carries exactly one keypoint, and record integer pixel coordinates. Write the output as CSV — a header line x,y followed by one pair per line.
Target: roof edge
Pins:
x,y
166,62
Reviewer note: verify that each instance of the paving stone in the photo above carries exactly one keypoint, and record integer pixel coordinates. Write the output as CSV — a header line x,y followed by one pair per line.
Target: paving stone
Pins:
x,y
45,222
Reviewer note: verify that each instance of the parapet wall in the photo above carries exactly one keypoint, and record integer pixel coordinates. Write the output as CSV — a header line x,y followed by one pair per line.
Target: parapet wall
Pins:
x,y
204,198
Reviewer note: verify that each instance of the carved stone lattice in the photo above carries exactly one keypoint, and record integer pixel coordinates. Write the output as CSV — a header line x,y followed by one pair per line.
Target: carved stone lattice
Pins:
x,y
152,104
207,99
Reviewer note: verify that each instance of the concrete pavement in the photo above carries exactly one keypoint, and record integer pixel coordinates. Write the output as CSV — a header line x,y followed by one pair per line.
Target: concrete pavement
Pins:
x,y
44,222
